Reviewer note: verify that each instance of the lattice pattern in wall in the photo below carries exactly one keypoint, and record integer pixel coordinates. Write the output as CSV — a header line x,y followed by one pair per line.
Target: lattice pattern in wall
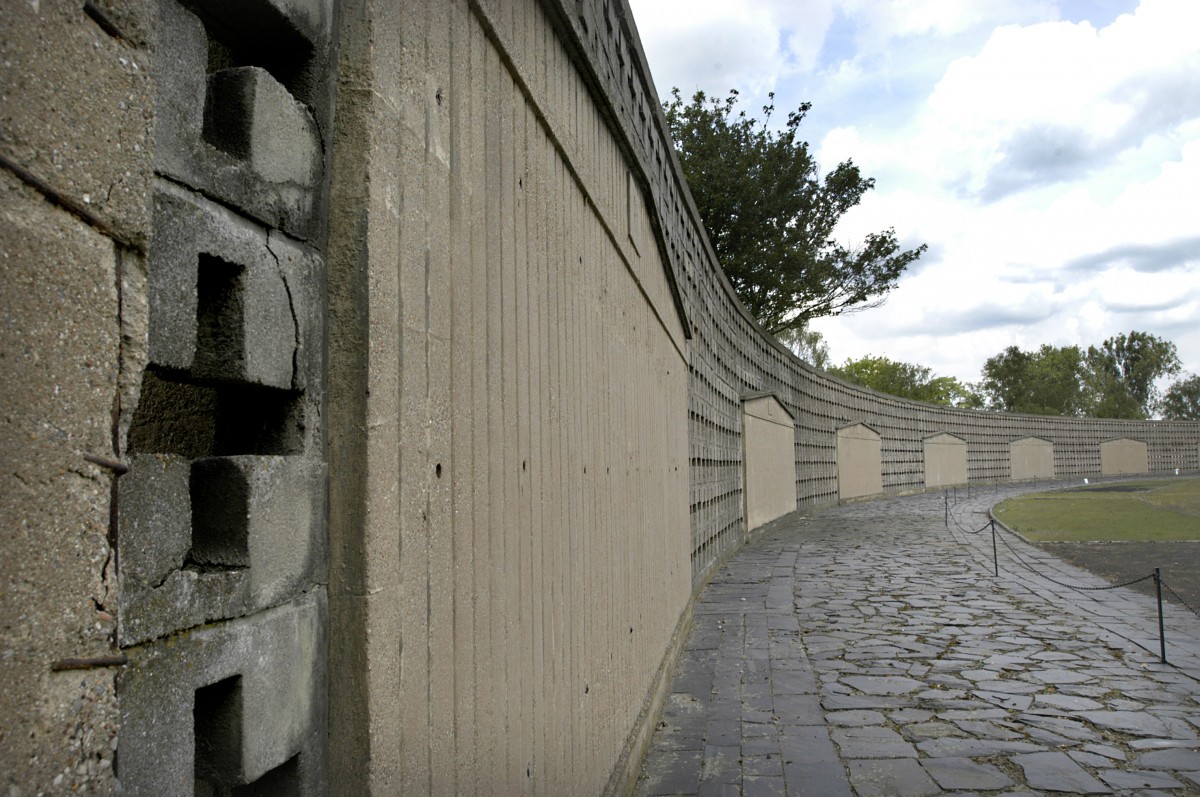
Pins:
x,y
730,354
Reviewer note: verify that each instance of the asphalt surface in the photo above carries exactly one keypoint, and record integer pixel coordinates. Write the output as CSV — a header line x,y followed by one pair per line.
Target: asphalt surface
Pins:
x,y
871,650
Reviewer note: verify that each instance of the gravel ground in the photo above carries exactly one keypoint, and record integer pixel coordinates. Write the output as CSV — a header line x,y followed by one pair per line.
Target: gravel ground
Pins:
x,y
1119,562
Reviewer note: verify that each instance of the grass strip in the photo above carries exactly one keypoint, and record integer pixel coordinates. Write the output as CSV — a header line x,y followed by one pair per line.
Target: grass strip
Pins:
x,y
1145,510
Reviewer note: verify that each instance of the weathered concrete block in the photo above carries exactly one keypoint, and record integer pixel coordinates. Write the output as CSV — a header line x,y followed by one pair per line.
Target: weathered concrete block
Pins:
x,y
312,18
230,301
216,538
155,519
76,109
59,356
241,702
239,134
135,21
251,116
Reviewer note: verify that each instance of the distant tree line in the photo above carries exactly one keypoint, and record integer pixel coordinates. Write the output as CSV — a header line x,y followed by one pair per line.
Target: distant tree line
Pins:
x,y
1117,379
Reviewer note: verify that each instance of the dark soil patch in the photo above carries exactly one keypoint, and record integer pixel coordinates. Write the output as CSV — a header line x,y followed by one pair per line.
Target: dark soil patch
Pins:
x,y
1119,562
1116,488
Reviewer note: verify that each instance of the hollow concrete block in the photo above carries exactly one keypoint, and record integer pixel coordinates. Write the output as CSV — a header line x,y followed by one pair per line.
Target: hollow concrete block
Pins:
x,y
239,134
216,538
230,301
266,674
250,115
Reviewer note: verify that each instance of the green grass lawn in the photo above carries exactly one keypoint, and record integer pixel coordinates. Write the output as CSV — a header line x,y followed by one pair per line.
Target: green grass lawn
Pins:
x,y
1149,509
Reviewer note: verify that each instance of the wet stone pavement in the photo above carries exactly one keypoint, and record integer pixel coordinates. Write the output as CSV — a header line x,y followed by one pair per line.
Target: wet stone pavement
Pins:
x,y
869,650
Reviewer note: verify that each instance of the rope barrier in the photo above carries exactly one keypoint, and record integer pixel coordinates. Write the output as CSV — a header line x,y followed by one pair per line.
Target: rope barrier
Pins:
x,y
1156,575
1179,598
1078,587
950,516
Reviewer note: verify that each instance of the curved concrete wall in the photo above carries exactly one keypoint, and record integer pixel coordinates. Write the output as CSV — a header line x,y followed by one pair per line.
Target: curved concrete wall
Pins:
x,y
381,403
730,356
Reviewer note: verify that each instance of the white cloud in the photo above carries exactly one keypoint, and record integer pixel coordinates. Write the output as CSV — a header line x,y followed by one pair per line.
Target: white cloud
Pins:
x,y
1055,101
883,20
714,45
1052,163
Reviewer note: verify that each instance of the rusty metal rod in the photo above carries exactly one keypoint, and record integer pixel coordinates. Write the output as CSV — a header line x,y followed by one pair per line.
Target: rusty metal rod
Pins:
x,y
89,662
119,468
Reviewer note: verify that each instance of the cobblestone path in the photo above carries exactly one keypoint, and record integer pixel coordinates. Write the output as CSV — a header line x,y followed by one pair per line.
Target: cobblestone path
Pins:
x,y
869,650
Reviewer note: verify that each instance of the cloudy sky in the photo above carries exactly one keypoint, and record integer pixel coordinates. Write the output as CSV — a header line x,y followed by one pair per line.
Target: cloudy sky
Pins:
x,y
1047,151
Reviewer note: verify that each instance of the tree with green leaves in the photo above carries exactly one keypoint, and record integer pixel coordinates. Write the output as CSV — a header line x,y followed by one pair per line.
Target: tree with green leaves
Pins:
x,y
808,344
771,217
1123,371
907,380
1048,381
1113,380
1182,400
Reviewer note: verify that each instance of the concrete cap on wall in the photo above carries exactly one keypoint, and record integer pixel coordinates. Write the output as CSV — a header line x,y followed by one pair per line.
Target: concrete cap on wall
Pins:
x,y
938,435
749,398
863,424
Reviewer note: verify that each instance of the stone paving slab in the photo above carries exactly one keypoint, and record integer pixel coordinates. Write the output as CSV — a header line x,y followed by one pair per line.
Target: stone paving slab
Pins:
x,y
870,650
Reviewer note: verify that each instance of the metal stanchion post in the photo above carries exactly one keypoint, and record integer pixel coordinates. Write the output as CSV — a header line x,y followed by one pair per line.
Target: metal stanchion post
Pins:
x,y
1162,633
995,556
946,501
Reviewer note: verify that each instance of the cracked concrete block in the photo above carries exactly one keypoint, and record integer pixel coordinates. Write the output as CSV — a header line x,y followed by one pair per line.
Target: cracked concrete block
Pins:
x,y
230,301
245,331
154,518
255,539
239,133
59,365
304,275
77,109
230,704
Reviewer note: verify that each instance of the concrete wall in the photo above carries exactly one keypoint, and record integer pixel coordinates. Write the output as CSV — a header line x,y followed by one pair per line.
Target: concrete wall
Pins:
x,y
508,414
858,462
1031,458
374,408
945,460
730,356
1123,456
769,434
74,220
